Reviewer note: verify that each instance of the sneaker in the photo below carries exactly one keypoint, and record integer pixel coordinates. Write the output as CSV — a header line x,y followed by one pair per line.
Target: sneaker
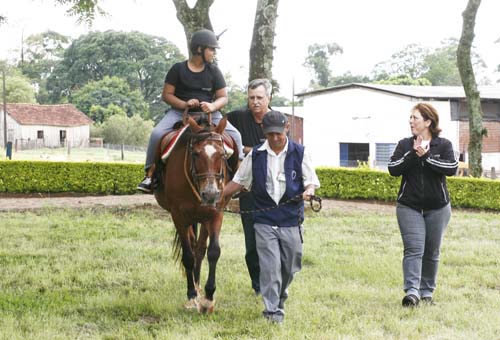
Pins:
x,y
146,185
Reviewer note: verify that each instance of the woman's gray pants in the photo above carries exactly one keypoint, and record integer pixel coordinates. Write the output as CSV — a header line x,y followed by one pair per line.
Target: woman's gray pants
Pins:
x,y
422,232
166,125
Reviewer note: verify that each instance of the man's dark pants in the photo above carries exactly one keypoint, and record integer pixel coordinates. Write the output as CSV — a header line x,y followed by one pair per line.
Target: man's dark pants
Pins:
x,y
247,203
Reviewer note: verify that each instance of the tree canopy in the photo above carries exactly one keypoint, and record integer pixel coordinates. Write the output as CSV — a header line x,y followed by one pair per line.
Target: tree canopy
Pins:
x,y
95,97
141,60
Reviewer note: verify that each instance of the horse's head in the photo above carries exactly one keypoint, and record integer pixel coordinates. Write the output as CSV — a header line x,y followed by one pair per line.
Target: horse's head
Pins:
x,y
208,161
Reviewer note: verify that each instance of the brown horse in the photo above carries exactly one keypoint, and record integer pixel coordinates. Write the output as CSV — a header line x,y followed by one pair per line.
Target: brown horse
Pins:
x,y
190,187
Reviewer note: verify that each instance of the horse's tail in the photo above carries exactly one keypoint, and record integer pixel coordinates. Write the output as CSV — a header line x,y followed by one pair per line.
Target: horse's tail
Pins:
x,y
176,251
177,247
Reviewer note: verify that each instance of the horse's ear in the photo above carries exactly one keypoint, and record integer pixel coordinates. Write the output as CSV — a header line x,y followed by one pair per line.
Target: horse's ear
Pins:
x,y
221,126
195,128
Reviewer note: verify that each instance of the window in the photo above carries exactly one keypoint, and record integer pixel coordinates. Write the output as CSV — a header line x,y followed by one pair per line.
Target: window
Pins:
x,y
383,152
353,153
39,134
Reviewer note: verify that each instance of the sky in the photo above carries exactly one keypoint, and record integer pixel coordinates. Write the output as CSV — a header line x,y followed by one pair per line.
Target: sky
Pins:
x,y
369,31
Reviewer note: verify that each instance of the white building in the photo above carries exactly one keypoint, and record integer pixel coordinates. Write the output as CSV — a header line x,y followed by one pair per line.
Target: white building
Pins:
x,y
363,122
45,125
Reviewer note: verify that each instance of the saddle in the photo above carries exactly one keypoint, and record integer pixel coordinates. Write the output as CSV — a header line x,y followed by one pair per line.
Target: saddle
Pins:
x,y
170,140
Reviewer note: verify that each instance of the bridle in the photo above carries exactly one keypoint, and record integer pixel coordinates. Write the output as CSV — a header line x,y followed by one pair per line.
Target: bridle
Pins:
x,y
195,177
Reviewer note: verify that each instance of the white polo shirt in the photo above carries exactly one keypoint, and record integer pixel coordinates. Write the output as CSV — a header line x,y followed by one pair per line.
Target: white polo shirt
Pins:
x,y
275,179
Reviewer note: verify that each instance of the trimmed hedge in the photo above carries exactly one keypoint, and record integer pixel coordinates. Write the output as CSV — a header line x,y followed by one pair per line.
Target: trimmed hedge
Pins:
x,y
60,177
343,183
119,179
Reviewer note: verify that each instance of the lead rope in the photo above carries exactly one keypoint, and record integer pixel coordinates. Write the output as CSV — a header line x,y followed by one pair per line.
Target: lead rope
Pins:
x,y
314,207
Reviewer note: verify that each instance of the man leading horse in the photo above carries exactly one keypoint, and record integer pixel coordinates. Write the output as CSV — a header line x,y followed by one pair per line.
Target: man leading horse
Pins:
x,y
280,174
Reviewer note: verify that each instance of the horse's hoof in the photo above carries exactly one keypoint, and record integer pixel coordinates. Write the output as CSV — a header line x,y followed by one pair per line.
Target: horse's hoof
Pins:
x,y
191,304
206,306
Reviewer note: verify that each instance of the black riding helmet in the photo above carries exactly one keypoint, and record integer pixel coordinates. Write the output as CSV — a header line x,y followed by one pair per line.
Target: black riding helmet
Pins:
x,y
203,38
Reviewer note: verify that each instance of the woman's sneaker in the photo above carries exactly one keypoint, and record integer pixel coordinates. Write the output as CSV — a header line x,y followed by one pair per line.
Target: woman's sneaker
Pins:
x,y
146,185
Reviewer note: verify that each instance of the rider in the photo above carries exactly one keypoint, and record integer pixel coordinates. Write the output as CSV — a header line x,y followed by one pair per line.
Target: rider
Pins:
x,y
196,84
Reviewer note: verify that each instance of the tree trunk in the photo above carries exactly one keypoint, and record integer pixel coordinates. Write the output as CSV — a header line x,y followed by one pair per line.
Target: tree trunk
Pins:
x,y
476,130
262,46
193,19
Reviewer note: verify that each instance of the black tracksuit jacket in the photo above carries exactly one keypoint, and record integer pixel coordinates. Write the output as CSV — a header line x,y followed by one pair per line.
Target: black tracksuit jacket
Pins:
x,y
423,186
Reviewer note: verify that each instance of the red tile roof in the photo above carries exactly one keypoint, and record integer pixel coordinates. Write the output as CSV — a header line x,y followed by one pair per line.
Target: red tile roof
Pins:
x,y
52,115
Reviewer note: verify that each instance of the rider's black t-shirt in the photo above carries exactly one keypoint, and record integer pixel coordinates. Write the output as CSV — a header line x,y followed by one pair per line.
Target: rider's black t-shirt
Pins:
x,y
200,85
251,132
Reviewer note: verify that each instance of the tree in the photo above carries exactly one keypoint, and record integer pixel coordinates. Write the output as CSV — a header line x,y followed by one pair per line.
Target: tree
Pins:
x,y
262,45
442,66
237,95
348,78
318,59
95,98
142,60
42,53
17,87
415,63
476,131
404,80
193,19
84,10
410,61
120,129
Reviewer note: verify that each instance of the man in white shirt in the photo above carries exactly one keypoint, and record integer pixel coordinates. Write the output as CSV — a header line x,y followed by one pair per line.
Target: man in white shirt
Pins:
x,y
281,176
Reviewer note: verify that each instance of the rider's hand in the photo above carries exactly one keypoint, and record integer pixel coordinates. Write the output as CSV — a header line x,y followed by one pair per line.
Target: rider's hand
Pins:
x,y
208,107
192,103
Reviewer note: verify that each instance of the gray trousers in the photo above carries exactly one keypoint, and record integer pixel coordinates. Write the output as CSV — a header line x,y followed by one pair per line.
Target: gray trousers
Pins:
x,y
422,232
166,125
280,257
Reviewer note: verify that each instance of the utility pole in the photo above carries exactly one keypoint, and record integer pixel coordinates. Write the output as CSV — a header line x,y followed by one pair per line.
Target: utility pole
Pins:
x,y
293,108
4,110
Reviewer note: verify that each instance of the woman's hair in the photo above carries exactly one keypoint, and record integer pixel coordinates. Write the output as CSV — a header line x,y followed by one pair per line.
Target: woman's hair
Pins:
x,y
261,82
428,112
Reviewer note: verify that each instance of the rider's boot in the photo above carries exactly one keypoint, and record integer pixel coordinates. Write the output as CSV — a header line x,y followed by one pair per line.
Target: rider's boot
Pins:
x,y
146,185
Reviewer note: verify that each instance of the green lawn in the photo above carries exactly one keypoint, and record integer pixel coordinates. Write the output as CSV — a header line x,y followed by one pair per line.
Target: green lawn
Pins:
x,y
109,274
78,155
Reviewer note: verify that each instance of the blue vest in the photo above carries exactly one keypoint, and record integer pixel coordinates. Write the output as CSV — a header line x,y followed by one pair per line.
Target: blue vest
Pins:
x,y
290,214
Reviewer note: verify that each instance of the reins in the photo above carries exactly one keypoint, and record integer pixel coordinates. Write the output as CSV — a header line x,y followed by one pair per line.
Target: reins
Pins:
x,y
314,207
194,177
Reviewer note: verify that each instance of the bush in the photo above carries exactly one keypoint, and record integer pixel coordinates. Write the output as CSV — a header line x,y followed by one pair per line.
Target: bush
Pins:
x,y
343,183
60,177
119,179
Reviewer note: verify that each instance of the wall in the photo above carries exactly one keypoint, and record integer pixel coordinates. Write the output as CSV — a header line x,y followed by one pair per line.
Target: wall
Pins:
x,y
491,143
77,136
359,115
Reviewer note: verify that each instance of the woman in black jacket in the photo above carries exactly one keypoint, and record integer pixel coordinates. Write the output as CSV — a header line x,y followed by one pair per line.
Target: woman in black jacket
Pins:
x,y
423,210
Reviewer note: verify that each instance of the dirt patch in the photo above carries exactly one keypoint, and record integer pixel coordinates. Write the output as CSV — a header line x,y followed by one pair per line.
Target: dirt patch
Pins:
x,y
15,202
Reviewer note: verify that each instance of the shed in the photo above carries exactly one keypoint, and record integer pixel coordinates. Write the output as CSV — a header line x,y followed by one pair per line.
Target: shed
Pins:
x,y
34,125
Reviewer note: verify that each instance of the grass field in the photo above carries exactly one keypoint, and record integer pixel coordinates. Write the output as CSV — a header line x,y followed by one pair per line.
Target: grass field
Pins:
x,y
109,274
78,155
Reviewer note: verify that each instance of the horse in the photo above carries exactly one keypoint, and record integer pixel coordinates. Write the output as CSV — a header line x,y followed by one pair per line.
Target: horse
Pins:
x,y
190,187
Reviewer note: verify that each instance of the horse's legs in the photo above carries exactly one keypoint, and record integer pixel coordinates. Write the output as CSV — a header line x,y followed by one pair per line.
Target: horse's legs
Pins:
x,y
213,255
200,251
188,259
